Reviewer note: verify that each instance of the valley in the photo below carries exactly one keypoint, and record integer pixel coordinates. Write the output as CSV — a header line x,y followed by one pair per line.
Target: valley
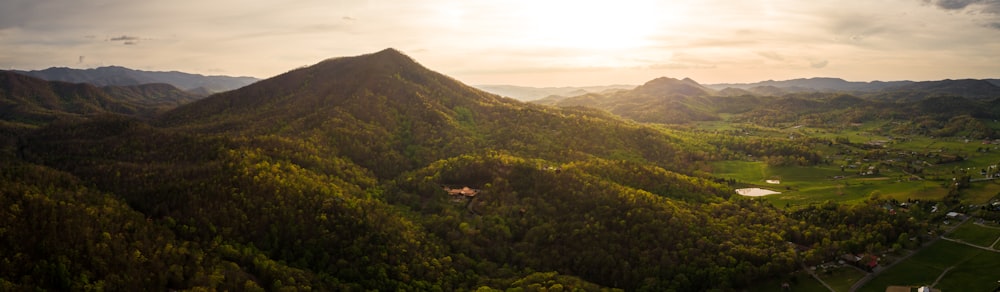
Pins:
x,y
373,172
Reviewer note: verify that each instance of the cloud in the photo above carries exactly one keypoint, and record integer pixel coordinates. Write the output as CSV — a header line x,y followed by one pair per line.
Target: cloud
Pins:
x,y
125,38
12,13
772,56
819,64
988,6
679,66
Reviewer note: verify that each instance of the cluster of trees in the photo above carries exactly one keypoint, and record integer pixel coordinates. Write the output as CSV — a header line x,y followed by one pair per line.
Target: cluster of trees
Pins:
x,y
832,229
776,152
604,221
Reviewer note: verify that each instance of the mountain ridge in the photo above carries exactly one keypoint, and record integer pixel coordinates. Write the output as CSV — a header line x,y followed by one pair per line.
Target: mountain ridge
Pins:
x,y
122,76
33,101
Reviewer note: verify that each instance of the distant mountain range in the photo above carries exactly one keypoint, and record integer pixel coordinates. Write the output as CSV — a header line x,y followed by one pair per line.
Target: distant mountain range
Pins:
x,y
121,76
964,87
814,84
669,100
26,100
526,93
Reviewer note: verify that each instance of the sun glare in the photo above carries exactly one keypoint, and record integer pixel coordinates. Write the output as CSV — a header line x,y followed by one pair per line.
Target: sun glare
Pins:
x,y
595,25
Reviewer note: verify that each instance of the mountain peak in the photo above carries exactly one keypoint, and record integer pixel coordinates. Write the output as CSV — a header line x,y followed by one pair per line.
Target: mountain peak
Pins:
x,y
390,52
368,87
663,85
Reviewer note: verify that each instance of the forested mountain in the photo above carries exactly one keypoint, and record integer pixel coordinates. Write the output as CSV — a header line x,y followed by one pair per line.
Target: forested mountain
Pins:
x,y
822,84
525,93
935,108
966,88
662,100
389,114
31,101
343,176
121,76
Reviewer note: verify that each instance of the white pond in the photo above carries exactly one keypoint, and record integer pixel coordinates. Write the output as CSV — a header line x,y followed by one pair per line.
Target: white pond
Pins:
x,y
755,192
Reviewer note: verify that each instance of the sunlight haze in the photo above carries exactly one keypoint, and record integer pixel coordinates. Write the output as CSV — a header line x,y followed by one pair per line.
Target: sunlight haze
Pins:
x,y
532,43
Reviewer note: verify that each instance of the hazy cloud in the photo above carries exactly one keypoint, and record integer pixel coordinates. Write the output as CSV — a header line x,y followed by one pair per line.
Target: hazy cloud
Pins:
x,y
988,6
124,38
12,13
772,56
679,66
819,64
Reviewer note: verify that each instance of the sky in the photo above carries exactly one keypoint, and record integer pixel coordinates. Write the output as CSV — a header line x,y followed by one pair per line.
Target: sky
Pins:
x,y
519,42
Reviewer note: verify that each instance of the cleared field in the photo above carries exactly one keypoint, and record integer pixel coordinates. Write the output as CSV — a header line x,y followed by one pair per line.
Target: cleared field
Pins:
x,y
979,273
807,185
843,278
975,234
803,282
972,269
981,192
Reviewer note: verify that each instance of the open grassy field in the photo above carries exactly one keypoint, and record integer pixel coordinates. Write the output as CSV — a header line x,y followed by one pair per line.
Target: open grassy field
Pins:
x,y
981,192
807,185
843,278
803,282
972,269
975,234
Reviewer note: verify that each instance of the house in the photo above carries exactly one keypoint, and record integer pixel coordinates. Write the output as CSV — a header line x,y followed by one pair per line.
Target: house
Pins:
x,y
953,214
872,262
463,192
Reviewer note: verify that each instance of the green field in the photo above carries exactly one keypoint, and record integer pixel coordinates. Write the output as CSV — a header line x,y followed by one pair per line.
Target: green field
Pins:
x,y
803,282
843,278
807,185
972,269
981,192
975,234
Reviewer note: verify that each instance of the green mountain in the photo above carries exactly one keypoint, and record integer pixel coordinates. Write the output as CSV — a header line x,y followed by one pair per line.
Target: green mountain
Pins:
x,y
525,93
30,101
121,76
389,114
351,174
662,100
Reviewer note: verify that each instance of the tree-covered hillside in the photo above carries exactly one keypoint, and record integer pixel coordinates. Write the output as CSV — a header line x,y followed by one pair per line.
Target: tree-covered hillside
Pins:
x,y
375,173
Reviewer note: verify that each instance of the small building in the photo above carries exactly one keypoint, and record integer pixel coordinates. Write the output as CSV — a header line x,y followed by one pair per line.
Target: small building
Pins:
x,y
464,191
953,214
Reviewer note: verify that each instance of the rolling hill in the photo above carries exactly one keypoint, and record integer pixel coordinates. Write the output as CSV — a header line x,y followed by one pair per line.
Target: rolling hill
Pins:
x,y
662,100
121,76
526,93
31,101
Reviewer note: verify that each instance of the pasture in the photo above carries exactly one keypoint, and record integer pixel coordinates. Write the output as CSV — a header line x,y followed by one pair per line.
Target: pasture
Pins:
x,y
975,234
807,185
968,269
